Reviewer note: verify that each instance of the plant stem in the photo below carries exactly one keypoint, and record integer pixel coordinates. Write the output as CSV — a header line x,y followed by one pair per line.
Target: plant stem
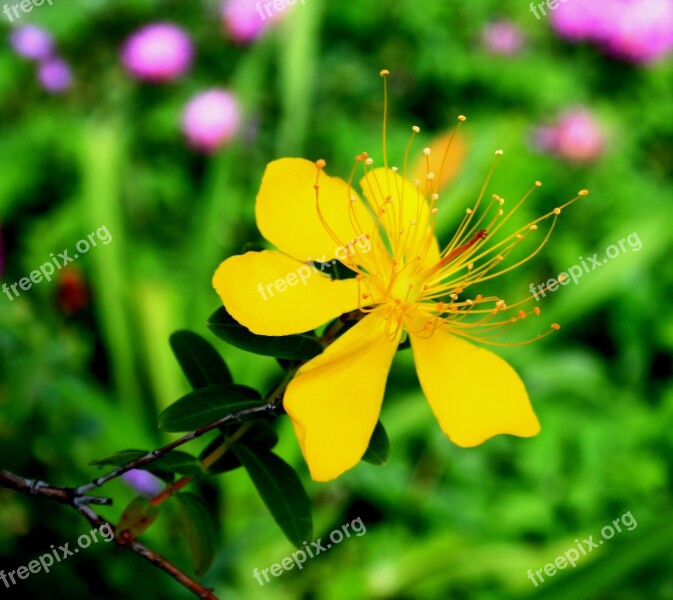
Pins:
x,y
67,496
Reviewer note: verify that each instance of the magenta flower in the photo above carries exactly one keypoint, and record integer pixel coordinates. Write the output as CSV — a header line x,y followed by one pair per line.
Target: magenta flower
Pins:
x,y
55,75
246,20
502,37
576,137
581,21
637,30
32,42
643,33
210,119
159,52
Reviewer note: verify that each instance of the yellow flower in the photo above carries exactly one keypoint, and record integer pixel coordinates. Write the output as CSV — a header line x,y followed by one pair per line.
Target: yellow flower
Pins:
x,y
405,284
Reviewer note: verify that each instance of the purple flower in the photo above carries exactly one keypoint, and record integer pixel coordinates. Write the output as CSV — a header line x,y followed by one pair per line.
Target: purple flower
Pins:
x,y
576,137
55,75
246,20
143,483
637,30
210,119
32,42
502,37
158,52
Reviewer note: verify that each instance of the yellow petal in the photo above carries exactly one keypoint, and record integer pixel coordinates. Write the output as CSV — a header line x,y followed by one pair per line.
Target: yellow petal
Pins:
x,y
335,399
408,212
273,294
287,215
474,393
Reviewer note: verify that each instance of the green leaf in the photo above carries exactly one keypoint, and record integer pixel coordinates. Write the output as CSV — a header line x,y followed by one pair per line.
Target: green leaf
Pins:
x,y
260,435
227,462
200,529
379,447
206,405
170,464
281,491
136,519
119,458
182,463
302,346
201,363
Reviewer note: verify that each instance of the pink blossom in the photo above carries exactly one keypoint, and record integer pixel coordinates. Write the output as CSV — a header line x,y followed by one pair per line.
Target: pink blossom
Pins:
x,y
158,52
502,37
246,20
637,30
211,119
576,137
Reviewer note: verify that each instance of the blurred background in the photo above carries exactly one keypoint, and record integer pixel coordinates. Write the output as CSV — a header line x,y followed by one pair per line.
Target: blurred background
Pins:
x,y
149,124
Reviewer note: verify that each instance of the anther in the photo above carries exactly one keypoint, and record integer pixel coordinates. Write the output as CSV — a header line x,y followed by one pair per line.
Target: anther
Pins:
x,y
557,211
416,129
320,163
384,72
426,151
555,326
462,118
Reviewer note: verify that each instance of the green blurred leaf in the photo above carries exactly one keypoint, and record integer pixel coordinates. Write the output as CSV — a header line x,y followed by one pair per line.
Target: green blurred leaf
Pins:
x,y
379,447
618,560
281,490
200,529
260,435
137,517
201,363
206,405
302,346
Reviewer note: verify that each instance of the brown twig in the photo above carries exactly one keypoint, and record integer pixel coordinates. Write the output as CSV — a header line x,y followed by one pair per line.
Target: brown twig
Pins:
x,y
69,497
154,455
79,499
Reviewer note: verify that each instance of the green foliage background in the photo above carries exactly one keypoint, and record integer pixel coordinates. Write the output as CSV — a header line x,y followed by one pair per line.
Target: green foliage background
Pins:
x,y
442,522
